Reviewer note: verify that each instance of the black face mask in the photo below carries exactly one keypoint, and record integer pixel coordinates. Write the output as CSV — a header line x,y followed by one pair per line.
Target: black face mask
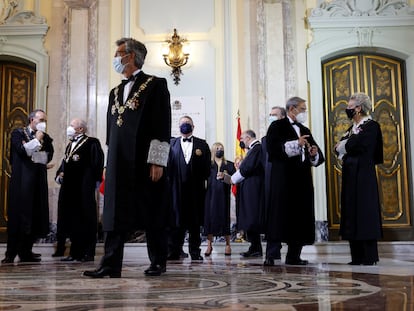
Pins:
x,y
219,153
242,145
350,113
186,128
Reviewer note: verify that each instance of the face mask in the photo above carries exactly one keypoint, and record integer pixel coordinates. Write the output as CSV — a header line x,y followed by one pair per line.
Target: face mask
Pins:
x,y
242,145
302,117
70,131
117,64
350,113
219,153
41,126
186,128
272,118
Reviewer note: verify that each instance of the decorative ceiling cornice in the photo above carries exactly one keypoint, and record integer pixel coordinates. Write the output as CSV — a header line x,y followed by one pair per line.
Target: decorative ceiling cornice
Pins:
x,y
363,13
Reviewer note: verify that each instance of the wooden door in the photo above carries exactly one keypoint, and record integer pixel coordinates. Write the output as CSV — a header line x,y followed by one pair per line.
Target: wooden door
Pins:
x,y
382,78
17,82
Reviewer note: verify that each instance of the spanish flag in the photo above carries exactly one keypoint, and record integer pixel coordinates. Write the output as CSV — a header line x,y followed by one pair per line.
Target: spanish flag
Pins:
x,y
239,151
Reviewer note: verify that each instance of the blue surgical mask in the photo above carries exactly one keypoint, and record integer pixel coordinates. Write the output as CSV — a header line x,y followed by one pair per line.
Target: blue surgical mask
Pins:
x,y
186,128
272,118
117,64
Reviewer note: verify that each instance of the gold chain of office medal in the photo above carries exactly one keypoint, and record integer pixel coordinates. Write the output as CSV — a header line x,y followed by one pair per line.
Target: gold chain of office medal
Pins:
x,y
71,154
131,103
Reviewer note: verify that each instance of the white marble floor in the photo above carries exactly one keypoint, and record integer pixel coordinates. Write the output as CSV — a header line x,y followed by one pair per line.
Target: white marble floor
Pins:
x,y
217,283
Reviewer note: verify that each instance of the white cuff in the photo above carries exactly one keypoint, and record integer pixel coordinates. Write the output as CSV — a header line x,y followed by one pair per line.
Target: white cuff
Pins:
x,y
292,148
158,153
32,146
237,177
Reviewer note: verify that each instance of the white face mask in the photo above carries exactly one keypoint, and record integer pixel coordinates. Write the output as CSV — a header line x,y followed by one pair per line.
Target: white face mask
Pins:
x,y
302,117
70,131
272,118
117,64
41,126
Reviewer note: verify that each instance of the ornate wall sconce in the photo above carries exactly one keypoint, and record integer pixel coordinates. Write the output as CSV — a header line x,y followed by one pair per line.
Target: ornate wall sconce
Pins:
x,y
176,57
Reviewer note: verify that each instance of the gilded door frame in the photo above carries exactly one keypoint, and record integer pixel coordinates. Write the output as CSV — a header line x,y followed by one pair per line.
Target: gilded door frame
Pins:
x,y
18,91
382,77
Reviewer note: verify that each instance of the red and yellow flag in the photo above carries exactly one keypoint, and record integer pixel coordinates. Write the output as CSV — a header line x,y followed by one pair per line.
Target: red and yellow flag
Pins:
x,y
239,151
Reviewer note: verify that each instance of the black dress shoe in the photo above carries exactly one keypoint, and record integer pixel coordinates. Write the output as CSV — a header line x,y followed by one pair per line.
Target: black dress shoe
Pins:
x,y
68,258
36,255
197,257
30,259
155,270
102,272
7,259
269,262
251,253
183,254
296,262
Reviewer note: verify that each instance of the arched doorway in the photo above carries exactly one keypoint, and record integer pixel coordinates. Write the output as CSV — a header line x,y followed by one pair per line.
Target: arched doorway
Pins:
x,y
18,85
382,78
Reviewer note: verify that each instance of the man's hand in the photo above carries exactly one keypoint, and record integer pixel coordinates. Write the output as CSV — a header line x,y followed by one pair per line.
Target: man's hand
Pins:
x,y
313,151
156,172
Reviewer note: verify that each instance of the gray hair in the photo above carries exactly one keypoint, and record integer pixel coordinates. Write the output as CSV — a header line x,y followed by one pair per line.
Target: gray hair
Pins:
x,y
293,102
33,114
250,133
281,109
363,101
132,45
81,123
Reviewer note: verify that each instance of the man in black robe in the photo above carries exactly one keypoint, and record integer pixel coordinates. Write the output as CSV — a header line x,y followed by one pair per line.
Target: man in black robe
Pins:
x,y
292,151
79,175
250,177
138,134
272,247
28,205
189,168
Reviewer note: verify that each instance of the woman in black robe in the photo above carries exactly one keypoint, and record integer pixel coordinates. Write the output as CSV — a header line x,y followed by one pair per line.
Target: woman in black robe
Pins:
x,y
217,204
360,150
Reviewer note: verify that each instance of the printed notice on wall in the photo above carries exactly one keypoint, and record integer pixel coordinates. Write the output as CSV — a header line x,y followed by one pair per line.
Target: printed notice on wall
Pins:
x,y
192,106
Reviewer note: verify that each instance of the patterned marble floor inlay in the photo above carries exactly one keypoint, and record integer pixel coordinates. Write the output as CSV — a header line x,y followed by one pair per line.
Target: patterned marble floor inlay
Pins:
x,y
219,283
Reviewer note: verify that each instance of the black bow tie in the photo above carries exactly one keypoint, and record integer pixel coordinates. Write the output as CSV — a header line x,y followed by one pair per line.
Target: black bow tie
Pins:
x,y
125,81
295,123
189,139
75,139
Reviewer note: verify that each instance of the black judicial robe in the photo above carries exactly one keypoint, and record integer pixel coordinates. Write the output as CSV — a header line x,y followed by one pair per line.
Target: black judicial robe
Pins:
x,y
217,204
360,205
28,204
82,168
132,201
199,171
291,216
251,191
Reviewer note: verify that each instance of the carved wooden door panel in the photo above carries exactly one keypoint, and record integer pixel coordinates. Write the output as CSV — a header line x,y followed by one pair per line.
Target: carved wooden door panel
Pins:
x,y
382,78
17,82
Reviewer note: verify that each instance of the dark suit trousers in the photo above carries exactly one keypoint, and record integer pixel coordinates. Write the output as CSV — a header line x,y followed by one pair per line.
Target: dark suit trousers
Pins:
x,y
19,243
364,251
294,251
177,240
273,249
114,248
